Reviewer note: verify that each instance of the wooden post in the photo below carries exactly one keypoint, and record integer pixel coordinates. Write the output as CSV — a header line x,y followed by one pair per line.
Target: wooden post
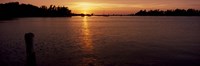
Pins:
x,y
31,61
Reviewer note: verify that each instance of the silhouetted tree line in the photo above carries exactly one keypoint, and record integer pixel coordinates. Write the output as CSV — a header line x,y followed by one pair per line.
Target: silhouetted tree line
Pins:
x,y
14,9
176,12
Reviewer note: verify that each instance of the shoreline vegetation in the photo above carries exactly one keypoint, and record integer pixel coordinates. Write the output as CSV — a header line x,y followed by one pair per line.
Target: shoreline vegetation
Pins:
x,y
15,9
12,10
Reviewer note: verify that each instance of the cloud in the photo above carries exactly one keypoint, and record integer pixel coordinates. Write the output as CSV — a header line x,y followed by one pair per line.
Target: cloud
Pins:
x,y
104,5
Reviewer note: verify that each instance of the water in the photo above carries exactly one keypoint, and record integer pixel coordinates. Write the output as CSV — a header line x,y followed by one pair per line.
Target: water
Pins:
x,y
103,41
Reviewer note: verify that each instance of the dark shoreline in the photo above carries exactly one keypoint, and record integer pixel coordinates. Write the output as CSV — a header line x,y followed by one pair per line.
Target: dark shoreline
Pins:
x,y
14,18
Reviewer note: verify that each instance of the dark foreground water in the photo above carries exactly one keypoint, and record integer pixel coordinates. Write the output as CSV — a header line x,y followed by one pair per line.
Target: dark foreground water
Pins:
x,y
103,41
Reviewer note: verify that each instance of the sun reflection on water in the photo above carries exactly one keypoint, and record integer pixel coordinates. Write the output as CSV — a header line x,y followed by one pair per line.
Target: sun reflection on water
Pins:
x,y
87,41
87,46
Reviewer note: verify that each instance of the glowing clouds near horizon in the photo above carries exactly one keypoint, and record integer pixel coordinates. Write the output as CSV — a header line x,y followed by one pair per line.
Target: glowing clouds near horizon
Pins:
x,y
103,8
114,6
129,6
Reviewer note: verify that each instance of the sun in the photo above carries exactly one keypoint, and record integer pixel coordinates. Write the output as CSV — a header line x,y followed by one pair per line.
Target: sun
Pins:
x,y
85,7
85,12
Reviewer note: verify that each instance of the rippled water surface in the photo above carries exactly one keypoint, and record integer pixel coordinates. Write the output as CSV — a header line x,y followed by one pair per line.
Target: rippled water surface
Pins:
x,y
103,41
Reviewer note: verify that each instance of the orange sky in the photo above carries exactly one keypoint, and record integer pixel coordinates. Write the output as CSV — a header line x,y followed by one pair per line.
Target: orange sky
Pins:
x,y
114,6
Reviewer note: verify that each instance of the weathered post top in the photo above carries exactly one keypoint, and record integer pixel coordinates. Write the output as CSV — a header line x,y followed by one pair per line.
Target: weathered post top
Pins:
x,y
29,35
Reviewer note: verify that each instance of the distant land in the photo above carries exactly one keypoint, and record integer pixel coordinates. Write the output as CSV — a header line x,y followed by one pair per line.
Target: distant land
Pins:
x,y
14,9
176,12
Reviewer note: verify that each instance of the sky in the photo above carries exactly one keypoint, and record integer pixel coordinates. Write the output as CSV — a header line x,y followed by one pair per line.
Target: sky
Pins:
x,y
114,6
